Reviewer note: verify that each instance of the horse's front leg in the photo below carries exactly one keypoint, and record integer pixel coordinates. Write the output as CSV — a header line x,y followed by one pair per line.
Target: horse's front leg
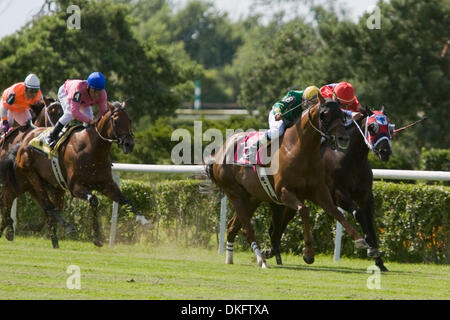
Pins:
x,y
323,198
290,200
371,236
112,191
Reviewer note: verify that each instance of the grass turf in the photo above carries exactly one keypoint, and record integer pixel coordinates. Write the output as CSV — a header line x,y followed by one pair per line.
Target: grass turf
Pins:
x,y
31,269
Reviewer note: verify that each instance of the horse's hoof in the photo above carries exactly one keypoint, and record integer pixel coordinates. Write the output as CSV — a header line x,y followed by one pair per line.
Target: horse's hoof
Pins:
x,y
267,253
361,244
373,253
9,234
98,243
308,260
278,258
379,263
262,263
70,229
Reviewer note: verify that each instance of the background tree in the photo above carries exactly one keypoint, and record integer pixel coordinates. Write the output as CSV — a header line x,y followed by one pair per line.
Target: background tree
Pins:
x,y
105,43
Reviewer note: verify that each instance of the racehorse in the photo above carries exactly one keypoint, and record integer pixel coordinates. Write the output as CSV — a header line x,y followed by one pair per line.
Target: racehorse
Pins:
x,y
85,163
349,179
43,115
300,176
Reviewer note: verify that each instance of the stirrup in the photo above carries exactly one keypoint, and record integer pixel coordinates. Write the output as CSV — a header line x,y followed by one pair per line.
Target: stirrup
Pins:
x,y
51,143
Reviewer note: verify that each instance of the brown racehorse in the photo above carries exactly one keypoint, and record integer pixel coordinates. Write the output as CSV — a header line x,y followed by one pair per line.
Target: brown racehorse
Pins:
x,y
85,165
349,178
300,176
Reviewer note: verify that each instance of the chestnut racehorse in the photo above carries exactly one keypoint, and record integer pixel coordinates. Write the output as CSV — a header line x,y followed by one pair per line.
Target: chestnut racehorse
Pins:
x,y
349,178
85,164
300,176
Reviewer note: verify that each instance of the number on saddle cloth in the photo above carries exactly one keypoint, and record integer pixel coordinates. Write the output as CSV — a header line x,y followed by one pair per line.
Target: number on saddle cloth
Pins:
x,y
243,146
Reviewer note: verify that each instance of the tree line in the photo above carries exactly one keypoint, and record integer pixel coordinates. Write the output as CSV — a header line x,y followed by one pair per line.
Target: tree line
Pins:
x,y
152,51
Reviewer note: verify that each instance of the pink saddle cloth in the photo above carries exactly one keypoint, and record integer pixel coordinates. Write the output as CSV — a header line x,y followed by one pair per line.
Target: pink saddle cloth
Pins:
x,y
241,149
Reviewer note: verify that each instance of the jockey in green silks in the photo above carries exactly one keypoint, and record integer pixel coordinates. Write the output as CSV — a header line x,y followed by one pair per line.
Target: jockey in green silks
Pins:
x,y
283,115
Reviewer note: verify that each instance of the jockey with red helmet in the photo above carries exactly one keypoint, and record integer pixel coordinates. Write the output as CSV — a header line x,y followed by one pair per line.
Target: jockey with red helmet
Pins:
x,y
16,101
343,93
77,98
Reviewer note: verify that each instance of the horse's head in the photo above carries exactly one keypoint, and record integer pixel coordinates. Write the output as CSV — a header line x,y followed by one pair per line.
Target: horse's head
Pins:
x,y
331,122
44,117
120,126
378,133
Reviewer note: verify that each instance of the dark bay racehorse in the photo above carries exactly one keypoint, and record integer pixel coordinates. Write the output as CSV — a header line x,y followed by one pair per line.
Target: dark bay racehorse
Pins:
x,y
85,165
349,179
300,176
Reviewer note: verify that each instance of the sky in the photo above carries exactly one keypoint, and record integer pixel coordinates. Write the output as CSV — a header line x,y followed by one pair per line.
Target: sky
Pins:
x,y
14,14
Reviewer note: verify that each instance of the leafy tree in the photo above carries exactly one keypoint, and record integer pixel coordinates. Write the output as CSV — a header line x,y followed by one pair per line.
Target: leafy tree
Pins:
x,y
207,34
105,43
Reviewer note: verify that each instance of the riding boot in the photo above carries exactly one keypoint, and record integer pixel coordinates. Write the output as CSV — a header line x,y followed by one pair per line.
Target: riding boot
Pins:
x,y
53,136
28,125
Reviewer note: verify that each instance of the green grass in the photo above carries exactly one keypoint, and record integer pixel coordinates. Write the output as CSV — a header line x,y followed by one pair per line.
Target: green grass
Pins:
x,y
31,269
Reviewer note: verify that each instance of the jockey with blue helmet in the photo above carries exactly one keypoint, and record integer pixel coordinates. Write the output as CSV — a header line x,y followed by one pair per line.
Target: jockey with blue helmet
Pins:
x,y
76,98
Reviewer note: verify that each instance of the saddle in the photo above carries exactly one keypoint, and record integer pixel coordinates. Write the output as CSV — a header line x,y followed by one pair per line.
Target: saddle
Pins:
x,y
240,158
40,141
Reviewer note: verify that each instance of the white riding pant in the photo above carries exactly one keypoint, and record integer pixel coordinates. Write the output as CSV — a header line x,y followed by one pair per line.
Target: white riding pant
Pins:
x,y
20,117
276,128
65,104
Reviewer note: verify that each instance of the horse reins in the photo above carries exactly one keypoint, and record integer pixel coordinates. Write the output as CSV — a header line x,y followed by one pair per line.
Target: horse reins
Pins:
x,y
118,140
323,134
363,135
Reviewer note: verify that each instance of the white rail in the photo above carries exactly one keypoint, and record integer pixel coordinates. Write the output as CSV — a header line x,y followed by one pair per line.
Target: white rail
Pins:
x,y
411,175
377,174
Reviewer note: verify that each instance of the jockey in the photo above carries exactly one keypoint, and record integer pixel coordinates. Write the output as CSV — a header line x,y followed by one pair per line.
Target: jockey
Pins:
x,y
284,113
343,93
77,98
16,101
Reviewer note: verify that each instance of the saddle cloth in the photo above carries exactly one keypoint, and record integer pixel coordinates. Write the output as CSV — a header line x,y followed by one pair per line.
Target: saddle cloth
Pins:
x,y
40,141
240,156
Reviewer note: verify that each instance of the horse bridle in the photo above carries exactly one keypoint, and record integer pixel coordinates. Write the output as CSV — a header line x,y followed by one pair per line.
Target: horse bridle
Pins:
x,y
331,138
117,139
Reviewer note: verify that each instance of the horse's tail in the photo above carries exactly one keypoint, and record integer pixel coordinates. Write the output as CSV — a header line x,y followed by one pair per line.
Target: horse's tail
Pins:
x,y
209,163
7,167
208,184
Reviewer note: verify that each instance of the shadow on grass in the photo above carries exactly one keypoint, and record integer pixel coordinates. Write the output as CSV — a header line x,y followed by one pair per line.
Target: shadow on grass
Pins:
x,y
338,269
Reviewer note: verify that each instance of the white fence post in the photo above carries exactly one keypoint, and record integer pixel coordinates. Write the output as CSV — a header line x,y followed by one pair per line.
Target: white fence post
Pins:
x,y
337,242
14,214
223,220
338,239
115,210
